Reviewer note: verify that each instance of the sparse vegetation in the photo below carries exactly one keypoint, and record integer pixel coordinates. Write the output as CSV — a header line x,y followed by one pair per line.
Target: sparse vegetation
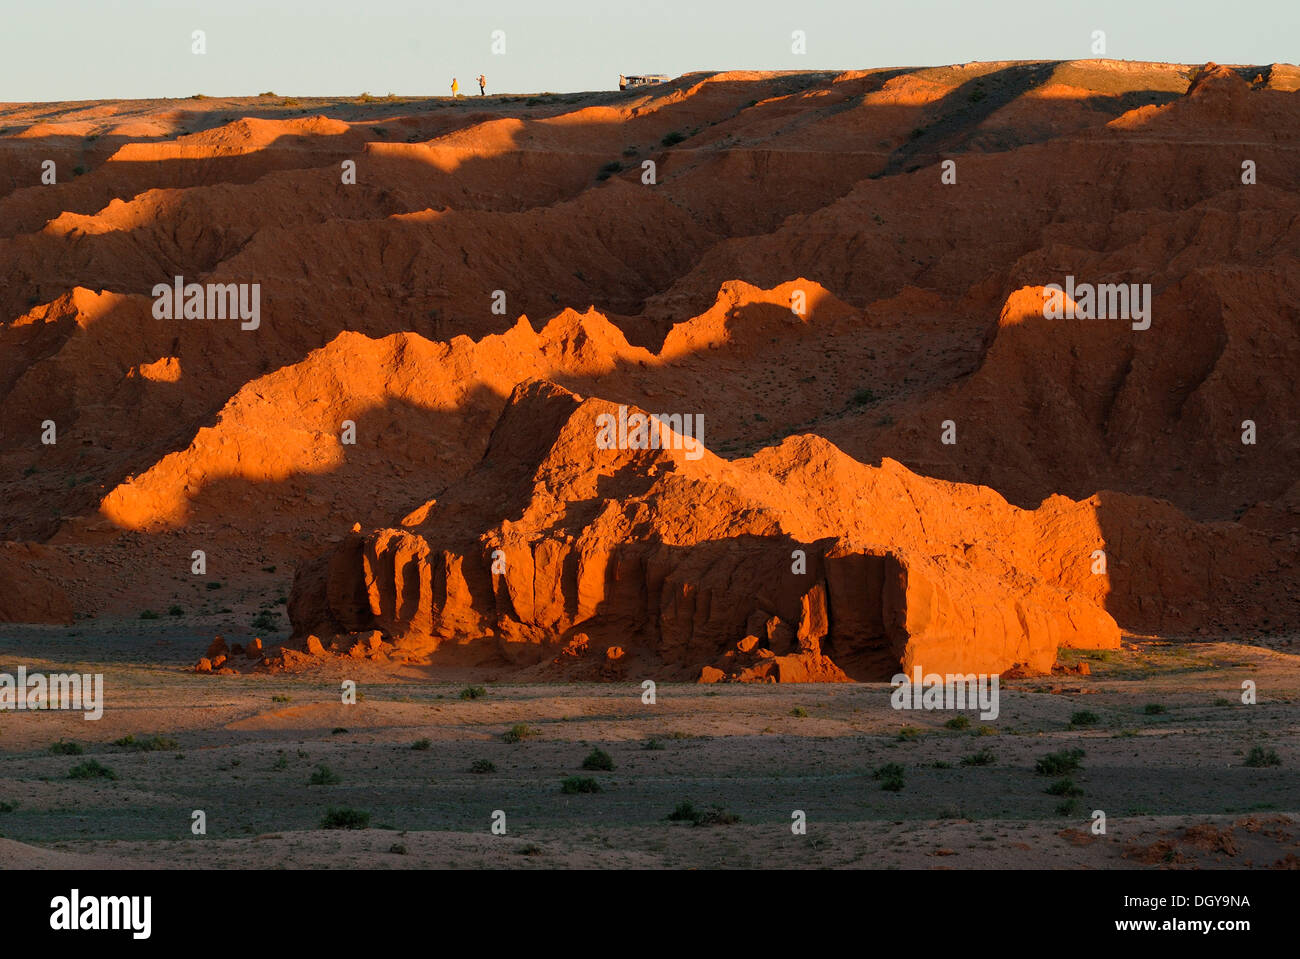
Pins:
x,y
1059,763
266,619
1063,787
518,733
1259,757
62,748
890,776
1084,717
685,812
1154,709
473,692
984,757
715,815
91,769
674,138
598,759
799,713
148,614
908,733
652,744
153,744
422,743
345,819
958,723
324,776
579,784
483,766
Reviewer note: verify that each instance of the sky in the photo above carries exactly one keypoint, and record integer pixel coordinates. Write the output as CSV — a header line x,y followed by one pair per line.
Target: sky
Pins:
x,y
102,49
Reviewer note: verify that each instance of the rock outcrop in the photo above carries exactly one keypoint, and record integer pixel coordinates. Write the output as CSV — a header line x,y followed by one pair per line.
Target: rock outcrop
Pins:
x,y
798,564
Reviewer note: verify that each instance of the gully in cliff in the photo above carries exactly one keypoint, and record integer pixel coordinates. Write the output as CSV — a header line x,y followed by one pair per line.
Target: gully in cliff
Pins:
x,y
653,431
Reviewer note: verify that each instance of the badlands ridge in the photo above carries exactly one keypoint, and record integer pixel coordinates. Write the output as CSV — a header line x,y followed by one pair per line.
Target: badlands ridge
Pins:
x,y
916,468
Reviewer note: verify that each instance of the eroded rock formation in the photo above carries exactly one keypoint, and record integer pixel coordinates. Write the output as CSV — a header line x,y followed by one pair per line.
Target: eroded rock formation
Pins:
x,y
797,564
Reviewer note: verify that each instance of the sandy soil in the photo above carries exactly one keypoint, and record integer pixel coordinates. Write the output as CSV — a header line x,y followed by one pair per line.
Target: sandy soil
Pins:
x,y
1173,784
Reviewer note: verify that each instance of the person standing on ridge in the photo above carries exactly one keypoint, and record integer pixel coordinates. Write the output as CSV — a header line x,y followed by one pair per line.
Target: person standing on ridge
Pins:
x,y
455,87
482,85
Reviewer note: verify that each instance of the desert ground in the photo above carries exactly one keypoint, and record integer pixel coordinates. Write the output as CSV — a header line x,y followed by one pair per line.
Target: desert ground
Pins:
x,y
1173,783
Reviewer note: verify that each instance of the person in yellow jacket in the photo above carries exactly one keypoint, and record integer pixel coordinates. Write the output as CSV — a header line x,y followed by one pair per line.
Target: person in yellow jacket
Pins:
x,y
455,87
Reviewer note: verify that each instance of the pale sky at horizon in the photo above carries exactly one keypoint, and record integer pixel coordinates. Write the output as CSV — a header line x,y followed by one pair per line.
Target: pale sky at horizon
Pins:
x,y
108,49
